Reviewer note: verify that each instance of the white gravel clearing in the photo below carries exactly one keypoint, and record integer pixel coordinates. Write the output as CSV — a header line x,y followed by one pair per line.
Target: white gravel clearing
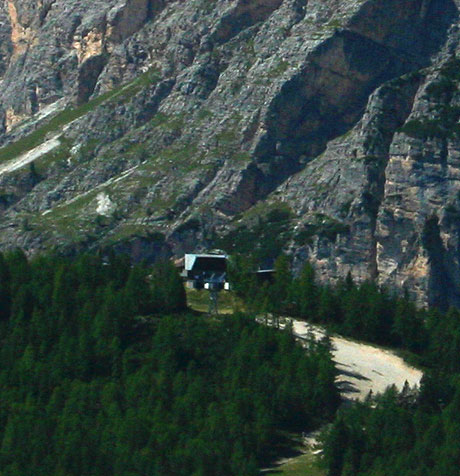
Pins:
x,y
362,367
30,156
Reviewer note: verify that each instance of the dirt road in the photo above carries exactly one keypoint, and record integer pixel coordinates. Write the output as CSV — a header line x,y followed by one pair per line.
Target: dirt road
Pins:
x,y
363,367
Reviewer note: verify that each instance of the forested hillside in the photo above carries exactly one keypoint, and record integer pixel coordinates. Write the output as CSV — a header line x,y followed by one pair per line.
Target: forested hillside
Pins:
x,y
400,434
102,373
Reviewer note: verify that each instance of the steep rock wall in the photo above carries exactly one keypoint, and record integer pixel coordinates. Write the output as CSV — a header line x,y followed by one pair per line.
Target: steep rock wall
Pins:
x,y
194,119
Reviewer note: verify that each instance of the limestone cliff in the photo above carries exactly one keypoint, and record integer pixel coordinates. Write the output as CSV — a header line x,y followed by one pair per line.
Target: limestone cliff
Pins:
x,y
159,126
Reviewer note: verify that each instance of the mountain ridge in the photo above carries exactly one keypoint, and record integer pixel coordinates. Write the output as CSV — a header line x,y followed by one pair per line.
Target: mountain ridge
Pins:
x,y
176,126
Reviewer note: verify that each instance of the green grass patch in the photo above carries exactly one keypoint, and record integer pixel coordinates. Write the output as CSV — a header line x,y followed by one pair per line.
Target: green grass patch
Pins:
x,y
127,230
59,154
262,209
178,157
198,300
279,69
168,122
242,157
304,465
444,127
227,137
335,24
204,114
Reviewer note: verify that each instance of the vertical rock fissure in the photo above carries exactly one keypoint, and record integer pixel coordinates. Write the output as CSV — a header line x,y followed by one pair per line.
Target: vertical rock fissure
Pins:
x,y
441,290
396,102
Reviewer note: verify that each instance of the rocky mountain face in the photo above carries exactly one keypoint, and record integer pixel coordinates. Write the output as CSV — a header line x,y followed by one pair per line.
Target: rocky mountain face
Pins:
x,y
328,128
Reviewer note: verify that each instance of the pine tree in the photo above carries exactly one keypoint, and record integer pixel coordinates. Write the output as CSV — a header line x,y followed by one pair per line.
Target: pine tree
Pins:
x,y
305,293
5,290
281,288
168,289
335,448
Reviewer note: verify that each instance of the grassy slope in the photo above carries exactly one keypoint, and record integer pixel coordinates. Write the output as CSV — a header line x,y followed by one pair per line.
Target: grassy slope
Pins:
x,y
199,301
65,117
304,465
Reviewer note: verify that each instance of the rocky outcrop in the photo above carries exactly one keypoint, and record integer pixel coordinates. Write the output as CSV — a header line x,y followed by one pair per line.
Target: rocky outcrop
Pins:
x,y
197,121
58,48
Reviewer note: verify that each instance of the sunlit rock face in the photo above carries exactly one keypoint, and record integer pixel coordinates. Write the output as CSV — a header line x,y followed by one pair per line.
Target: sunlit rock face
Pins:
x,y
186,123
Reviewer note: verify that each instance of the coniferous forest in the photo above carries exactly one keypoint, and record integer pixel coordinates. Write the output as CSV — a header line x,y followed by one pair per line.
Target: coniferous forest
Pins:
x,y
103,372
